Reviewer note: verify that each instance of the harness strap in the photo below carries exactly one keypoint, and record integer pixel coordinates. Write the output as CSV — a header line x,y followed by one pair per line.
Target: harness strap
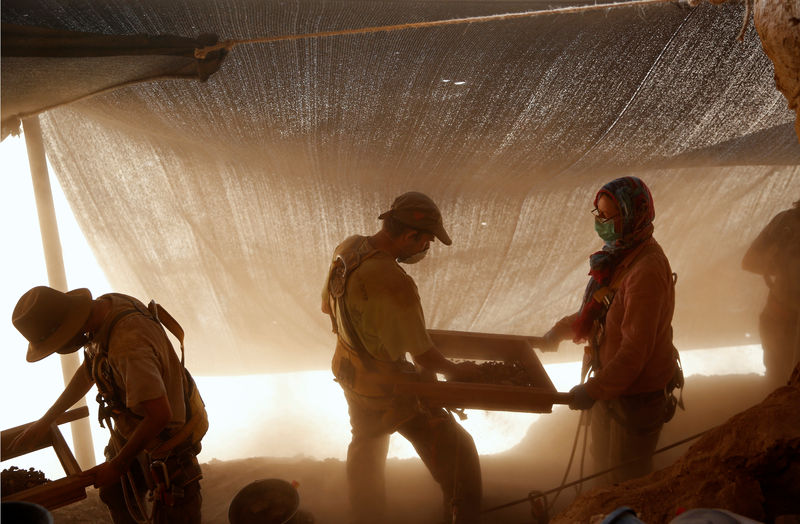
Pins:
x,y
163,317
376,380
346,260
353,366
107,396
180,436
605,296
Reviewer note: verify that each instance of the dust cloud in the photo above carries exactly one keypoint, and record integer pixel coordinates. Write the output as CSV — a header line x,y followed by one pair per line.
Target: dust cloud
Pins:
x,y
537,463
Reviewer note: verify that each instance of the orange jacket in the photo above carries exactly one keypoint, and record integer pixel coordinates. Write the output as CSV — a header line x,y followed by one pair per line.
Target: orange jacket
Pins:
x,y
636,354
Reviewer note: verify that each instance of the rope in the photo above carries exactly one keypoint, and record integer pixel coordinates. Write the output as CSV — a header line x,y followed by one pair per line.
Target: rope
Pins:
x,y
583,451
202,52
533,495
748,9
581,424
455,496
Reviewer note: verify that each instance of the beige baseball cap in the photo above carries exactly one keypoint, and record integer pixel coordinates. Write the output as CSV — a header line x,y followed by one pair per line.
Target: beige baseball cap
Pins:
x,y
418,211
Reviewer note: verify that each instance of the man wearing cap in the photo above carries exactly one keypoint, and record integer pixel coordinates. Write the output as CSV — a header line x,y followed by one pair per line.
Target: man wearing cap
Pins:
x,y
141,383
376,313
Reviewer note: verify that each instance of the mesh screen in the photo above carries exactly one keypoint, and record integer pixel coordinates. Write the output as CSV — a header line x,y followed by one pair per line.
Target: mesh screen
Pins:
x,y
224,199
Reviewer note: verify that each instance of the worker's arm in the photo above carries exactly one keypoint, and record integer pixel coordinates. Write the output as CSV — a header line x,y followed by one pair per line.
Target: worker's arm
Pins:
x,y
561,330
157,415
78,386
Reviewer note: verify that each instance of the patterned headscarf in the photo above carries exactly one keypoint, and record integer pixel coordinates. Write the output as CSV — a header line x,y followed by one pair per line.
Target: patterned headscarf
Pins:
x,y
634,225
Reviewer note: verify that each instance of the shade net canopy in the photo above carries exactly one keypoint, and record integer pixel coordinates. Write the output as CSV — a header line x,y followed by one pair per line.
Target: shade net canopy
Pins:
x,y
224,199
44,68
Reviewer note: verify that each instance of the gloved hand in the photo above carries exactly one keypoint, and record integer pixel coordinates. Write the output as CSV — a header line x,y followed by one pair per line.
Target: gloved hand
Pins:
x,y
561,330
549,342
580,398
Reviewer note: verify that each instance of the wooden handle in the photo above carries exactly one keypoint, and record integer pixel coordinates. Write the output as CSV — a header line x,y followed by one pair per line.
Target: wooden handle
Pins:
x,y
57,493
8,435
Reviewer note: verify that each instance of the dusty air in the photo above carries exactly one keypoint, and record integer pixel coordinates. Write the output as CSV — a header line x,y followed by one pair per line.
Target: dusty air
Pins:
x,y
391,262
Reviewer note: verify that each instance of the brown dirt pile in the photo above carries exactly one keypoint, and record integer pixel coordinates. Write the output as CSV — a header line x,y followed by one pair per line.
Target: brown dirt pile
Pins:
x,y
749,465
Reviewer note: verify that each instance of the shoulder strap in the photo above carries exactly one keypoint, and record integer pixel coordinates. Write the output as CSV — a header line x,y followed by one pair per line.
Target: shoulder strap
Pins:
x,y
347,259
195,415
108,396
163,317
157,313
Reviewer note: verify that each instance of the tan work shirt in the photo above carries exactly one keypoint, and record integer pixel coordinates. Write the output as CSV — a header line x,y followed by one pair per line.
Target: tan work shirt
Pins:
x,y
144,365
637,355
384,307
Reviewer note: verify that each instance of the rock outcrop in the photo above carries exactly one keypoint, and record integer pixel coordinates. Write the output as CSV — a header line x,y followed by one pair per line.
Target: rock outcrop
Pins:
x,y
778,26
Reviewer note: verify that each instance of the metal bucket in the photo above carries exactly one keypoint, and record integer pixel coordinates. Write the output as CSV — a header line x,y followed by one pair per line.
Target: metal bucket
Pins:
x,y
267,501
24,512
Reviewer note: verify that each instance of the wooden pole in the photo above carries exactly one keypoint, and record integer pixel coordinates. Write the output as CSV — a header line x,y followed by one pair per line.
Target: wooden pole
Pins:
x,y
56,274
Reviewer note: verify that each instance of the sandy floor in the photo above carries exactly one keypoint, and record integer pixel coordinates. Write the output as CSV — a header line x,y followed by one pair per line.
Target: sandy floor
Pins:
x,y
537,463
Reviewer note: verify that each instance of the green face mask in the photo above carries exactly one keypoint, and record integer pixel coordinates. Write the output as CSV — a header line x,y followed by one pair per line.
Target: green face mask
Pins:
x,y
605,230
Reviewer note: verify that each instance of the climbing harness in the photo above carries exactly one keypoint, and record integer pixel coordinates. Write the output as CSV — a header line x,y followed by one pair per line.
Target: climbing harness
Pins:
x,y
540,505
155,474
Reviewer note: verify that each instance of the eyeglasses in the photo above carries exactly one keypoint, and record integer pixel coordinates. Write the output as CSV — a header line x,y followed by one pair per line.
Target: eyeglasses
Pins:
x,y
598,216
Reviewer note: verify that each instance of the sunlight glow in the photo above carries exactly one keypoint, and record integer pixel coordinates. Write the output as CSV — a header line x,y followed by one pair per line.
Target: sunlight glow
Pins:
x,y
278,415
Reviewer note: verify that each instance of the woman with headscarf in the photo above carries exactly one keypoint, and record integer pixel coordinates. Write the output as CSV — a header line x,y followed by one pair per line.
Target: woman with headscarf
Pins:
x,y
626,319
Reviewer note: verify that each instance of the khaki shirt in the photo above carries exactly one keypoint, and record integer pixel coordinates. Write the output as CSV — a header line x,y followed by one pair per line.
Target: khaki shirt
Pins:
x,y
143,363
384,307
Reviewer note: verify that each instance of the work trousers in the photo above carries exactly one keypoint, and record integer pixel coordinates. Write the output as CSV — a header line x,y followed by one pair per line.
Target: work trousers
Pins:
x,y
187,499
446,449
625,433
780,336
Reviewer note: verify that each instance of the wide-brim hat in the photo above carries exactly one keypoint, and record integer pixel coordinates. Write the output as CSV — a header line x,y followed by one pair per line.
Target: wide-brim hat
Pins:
x,y
417,210
50,319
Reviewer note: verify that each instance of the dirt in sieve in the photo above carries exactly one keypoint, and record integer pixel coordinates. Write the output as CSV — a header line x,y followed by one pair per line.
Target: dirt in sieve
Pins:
x,y
501,373
15,479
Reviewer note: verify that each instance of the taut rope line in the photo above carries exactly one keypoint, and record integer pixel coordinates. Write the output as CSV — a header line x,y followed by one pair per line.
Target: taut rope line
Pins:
x,y
201,53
